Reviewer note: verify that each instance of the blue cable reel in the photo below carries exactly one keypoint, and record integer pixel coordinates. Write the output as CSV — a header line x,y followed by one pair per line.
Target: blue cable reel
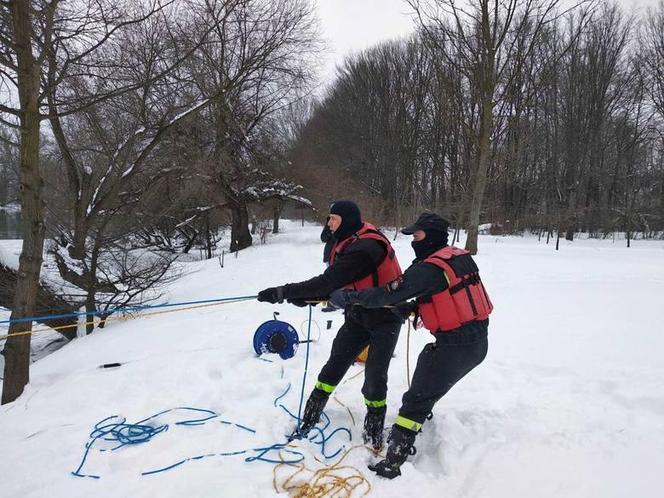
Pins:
x,y
276,336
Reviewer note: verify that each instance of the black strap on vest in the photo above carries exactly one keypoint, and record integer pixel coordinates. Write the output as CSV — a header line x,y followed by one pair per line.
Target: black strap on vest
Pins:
x,y
466,281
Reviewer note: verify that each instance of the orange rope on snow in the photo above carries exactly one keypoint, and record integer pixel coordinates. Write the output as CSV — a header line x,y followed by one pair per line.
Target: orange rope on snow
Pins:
x,y
346,407
333,481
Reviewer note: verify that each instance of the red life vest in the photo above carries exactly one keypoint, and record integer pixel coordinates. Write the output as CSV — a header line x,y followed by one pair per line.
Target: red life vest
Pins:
x,y
465,300
387,270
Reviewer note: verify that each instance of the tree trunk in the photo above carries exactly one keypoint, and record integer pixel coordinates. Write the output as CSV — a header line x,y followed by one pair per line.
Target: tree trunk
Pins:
x,y
481,175
208,238
90,309
240,236
17,347
275,219
91,287
48,303
571,215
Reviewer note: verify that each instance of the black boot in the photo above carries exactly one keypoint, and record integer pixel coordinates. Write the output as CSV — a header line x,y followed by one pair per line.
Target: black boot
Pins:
x,y
401,443
374,423
312,412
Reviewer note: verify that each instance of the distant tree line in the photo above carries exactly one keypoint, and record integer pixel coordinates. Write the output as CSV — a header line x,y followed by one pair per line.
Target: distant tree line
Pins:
x,y
567,110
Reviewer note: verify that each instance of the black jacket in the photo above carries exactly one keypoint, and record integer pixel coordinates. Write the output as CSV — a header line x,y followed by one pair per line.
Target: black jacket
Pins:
x,y
358,260
420,279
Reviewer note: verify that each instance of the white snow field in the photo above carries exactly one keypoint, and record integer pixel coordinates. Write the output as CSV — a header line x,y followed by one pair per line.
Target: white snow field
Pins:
x,y
569,402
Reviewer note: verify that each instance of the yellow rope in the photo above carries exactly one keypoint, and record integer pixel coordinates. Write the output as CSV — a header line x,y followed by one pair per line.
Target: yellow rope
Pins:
x,y
356,375
329,481
336,480
122,318
346,407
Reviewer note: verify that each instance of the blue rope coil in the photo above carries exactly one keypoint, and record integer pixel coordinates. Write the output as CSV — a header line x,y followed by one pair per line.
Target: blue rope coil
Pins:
x,y
115,429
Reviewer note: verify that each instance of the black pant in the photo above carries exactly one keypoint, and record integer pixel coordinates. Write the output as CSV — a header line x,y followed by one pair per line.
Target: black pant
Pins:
x,y
441,365
379,329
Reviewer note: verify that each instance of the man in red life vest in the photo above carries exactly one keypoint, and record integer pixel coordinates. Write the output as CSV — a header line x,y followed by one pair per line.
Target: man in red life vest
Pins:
x,y
360,258
453,304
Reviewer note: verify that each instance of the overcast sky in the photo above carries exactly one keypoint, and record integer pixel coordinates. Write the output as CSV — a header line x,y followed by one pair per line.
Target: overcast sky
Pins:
x,y
353,25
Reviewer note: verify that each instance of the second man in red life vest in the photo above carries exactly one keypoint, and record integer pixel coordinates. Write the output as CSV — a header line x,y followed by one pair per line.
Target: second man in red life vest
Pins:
x,y
361,258
453,305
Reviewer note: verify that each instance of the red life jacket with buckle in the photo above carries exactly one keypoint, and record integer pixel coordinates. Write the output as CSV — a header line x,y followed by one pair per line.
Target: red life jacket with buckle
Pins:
x,y
387,270
465,300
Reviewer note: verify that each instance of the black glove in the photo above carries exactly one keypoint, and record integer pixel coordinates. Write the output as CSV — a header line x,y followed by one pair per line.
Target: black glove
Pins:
x,y
405,309
338,300
271,295
299,302
328,309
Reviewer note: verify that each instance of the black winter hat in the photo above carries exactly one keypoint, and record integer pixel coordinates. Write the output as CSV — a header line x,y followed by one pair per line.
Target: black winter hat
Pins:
x,y
427,222
351,219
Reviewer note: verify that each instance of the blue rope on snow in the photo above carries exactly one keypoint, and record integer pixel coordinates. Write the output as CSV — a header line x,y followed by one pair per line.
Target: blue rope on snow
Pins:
x,y
140,432
281,396
126,434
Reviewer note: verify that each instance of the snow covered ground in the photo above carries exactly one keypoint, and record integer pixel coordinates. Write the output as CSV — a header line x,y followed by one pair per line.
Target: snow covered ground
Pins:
x,y
569,402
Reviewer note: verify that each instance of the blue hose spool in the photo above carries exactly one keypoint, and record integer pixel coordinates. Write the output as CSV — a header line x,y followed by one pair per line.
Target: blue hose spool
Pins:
x,y
275,336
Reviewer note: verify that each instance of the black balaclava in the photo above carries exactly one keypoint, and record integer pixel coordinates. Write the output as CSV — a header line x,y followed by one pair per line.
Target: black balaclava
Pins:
x,y
434,240
351,219
327,237
326,234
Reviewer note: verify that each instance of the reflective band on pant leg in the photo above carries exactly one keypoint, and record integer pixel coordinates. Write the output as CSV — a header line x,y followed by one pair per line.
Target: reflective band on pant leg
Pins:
x,y
375,404
325,387
407,423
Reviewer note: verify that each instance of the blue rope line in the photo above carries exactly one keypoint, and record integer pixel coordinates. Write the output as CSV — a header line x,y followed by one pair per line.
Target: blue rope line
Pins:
x,y
231,453
245,428
278,447
123,309
306,366
282,394
324,439
149,472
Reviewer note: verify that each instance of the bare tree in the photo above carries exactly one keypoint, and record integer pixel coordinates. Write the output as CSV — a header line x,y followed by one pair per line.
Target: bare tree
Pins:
x,y
652,42
108,153
31,34
260,57
480,35
20,69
